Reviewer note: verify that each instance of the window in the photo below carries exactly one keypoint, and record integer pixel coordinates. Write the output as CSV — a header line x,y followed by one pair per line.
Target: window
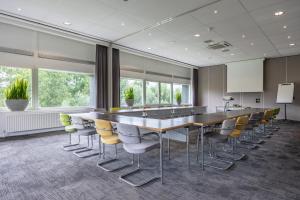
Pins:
x,y
152,92
137,86
8,75
165,93
63,89
184,89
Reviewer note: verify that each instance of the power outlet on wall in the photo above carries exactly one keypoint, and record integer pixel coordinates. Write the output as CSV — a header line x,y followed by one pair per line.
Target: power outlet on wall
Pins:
x,y
257,100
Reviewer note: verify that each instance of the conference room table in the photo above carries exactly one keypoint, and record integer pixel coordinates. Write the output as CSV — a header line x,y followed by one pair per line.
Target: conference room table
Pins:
x,y
161,126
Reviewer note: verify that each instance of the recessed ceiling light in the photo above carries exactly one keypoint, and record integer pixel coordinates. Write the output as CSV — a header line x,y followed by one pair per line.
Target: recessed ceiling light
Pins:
x,y
285,26
19,9
289,37
278,13
197,35
251,43
216,11
122,24
149,34
292,44
186,49
243,36
67,23
149,48
232,54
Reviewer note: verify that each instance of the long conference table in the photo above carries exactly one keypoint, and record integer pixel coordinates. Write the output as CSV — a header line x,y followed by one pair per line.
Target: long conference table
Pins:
x,y
161,126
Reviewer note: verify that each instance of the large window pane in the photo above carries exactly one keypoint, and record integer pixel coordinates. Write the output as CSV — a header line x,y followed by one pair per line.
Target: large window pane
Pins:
x,y
152,92
165,93
63,89
8,75
184,89
137,86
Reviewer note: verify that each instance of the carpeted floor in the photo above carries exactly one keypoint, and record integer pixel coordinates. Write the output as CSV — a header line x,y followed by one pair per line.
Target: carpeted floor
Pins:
x,y
36,167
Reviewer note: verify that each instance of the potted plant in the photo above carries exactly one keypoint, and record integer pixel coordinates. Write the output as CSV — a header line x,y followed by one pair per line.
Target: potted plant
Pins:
x,y
129,96
178,97
16,95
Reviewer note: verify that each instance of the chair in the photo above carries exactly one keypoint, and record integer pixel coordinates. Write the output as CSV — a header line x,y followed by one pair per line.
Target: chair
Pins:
x,y
109,137
84,128
240,125
65,120
219,135
265,121
253,123
276,112
114,109
134,144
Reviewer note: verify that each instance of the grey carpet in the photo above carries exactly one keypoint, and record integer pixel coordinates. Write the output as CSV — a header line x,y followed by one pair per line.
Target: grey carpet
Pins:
x,y
36,167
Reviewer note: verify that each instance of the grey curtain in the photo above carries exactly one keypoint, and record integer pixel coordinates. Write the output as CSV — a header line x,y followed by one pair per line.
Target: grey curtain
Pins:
x,y
115,78
101,73
195,88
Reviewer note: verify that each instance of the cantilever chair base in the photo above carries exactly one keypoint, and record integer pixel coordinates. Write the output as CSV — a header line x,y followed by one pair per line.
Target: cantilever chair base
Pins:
x,y
228,166
67,147
249,146
123,178
232,156
86,149
101,164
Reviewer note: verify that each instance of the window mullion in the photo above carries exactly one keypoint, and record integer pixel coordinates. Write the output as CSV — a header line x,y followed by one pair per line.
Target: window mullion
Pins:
x,y
35,103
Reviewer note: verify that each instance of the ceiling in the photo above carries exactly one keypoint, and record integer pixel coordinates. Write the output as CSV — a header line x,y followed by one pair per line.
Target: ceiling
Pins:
x,y
249,25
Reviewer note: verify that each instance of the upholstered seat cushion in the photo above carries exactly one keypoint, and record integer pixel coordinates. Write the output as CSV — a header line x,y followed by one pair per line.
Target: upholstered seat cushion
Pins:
x,y
86,131
235,133
264,121
144,146
70,129
216,137
112,139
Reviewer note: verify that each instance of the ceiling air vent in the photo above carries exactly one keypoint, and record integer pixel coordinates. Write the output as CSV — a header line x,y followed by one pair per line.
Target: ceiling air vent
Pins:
x,y
219,45
208,41
225,50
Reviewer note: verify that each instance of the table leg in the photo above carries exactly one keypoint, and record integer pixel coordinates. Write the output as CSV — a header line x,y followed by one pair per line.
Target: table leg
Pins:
x,y
202,147
161,157
187,147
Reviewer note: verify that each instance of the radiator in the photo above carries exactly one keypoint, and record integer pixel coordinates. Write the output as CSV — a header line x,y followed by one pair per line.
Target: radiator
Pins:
x,y
30,120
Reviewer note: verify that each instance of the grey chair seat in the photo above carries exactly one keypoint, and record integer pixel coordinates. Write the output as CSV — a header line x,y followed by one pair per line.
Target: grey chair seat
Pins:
x,y
216,137
144,146
86,131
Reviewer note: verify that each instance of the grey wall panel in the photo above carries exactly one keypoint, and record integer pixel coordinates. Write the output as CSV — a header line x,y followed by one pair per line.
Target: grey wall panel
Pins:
x,y
203,86
216,87
274,73
276,70
293,75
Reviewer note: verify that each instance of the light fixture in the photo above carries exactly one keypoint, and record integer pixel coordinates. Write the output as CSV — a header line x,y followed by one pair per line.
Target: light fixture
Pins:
x,y
149,34
232,54
19,9
149,48
186,49
67,23
197,35
292,44
278,13
251,43
216,11
289,37
285,26
122,24
243,36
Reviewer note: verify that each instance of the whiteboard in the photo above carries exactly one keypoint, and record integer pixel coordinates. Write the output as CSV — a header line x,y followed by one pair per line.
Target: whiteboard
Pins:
x,y
245,76
285,93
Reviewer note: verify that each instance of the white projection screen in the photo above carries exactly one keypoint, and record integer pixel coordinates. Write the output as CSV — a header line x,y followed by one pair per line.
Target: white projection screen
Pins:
x,y
245,76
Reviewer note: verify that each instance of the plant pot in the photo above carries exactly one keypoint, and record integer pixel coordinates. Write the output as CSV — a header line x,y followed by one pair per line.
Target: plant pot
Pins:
x,y
178,102
129,102
16,104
